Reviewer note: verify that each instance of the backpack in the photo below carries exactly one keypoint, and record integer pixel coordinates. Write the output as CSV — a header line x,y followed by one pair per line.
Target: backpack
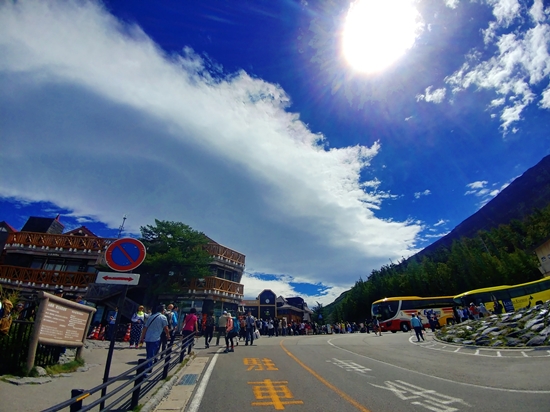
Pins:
x,y
170,317
210,321
236,327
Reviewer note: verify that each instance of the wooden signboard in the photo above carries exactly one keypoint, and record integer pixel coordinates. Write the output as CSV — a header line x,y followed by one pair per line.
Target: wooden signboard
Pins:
x,y
59,322
62,324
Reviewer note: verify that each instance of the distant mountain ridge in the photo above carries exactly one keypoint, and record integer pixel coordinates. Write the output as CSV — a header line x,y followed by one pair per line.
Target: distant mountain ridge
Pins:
x,y
528,192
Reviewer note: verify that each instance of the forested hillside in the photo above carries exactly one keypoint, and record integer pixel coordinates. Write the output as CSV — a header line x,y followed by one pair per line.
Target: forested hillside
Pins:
x,y
503,255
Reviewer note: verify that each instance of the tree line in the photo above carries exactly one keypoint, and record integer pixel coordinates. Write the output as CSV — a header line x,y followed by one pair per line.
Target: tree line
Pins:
x,y
501,256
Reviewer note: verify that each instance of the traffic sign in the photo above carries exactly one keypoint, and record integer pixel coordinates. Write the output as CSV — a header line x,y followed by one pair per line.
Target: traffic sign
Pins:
x,y
125,254
117,278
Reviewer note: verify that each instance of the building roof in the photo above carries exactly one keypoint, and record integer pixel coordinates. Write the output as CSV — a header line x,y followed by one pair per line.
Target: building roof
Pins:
x,y
44,225
7,227
81,231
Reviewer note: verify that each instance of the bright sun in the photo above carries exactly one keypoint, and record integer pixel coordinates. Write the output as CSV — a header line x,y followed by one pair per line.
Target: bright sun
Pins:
x,y
378,32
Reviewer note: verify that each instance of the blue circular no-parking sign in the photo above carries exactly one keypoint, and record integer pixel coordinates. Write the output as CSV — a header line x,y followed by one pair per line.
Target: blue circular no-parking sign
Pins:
x,y
125,254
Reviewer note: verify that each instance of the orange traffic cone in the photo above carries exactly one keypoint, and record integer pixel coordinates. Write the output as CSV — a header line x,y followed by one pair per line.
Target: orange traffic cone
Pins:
x,y
127,336
94,334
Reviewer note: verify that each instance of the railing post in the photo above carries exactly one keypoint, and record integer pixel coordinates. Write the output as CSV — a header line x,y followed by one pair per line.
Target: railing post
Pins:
x,y
78,404
167,361
137,392
182,352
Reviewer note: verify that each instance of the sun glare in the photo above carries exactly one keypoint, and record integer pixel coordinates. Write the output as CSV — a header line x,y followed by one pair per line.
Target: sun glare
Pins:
x,y
379,32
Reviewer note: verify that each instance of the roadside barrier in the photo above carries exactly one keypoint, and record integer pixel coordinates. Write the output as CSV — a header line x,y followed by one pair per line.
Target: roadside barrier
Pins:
x,y
122,396
127,336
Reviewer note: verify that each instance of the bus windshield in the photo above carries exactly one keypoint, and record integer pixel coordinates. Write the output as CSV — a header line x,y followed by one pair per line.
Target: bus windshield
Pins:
x,y
385,310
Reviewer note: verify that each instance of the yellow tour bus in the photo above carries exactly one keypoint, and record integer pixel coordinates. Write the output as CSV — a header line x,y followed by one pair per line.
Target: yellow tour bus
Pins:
x,y
395,313
507,298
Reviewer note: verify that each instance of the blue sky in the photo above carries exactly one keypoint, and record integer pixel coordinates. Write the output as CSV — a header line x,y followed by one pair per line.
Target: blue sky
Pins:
x,y
322,139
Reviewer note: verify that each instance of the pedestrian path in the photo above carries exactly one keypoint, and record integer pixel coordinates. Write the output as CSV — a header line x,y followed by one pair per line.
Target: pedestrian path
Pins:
x,y
185,383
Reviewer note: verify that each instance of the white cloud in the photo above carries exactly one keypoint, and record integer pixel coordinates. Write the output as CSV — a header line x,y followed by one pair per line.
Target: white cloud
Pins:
x,y
453,4
437,96
100,121
482,190
281,286
426,192
441,222
521,60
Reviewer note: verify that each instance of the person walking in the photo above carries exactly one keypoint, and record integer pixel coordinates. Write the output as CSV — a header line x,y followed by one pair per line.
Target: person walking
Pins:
x,y
156,325
376,326
229,333
209,329
138,320
190,328
417,326
222,324
111,333
250,323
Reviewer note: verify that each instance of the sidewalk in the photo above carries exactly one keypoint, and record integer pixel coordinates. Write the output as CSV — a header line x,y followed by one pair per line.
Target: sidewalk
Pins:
x,y
36,394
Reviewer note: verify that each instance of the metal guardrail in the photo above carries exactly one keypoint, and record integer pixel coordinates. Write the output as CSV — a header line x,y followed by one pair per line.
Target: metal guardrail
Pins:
x,y
127,398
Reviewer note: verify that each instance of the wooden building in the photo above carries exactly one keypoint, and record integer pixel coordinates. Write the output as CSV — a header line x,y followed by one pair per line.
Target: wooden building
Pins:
x,y
42,257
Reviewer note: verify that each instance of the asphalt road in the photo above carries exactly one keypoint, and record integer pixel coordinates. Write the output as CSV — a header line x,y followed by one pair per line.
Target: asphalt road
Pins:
x,y
363,372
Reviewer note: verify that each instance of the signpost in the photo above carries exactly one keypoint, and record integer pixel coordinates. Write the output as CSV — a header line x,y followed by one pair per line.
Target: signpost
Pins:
x,y
125,254
117,278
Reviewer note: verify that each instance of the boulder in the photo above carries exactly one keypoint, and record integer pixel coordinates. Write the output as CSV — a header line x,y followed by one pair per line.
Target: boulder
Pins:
x,y
513,342
536,341
41,371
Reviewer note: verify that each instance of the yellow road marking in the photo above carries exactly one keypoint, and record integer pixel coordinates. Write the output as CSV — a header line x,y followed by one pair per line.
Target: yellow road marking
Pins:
x,y
275,392
342,394
260,364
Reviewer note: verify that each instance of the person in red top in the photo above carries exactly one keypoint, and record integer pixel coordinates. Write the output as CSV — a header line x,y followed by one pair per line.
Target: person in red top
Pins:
x,y
229,334
190,326
474,311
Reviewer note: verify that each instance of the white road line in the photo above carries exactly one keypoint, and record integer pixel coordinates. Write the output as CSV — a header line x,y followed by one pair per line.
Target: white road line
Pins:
x,y
477,352
196,402
524,354
499,354
456,350
435,377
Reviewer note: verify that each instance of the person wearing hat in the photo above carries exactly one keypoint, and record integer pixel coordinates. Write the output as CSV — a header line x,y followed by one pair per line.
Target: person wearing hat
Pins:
x,y
222,323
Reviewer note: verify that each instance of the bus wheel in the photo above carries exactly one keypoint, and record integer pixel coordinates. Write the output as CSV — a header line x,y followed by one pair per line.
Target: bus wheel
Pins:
x,y
393,331
404,327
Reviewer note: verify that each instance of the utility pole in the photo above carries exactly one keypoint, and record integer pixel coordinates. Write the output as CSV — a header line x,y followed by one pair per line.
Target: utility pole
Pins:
x,y
121,226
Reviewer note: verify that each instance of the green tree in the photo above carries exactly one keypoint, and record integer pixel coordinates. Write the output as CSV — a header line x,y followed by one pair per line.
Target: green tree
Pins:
x,y
175,253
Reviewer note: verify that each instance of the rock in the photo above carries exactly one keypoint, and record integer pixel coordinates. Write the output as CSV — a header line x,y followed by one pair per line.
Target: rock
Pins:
x,y
497,343
41,371
513,342
29,381
537,327
489,330
532,322
545,331
514,334
536,341
507,325
527,336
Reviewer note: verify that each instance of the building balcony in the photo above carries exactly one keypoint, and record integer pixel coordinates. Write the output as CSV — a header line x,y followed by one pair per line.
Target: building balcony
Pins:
x,y
224,254
45,279
44,243
214,286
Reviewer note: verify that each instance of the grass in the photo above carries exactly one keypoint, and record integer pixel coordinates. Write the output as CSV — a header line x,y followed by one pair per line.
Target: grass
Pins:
x,y
65,367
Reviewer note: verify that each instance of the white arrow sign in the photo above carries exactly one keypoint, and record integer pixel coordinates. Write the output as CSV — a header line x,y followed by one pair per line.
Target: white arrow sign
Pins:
x,y
115,278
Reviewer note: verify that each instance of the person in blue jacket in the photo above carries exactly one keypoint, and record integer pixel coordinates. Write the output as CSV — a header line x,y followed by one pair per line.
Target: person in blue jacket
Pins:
x,y
417,326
